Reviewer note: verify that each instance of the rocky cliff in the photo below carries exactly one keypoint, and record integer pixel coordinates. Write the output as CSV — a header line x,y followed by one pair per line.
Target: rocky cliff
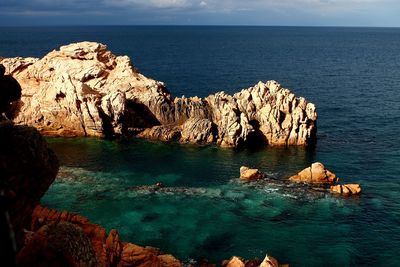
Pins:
x,y
83,89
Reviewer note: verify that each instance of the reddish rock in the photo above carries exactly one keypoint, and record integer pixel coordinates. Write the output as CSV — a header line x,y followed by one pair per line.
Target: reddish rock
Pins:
x,y
235,262
269,262
109,250
248,174
169,260
346,189
58,244
315,174
133,255
113,247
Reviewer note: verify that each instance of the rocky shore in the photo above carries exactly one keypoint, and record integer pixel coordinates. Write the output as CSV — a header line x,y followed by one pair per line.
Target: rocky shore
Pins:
x,y
83,89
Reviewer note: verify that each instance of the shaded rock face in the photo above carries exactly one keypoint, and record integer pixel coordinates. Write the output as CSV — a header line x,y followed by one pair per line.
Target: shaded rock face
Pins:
x,y
316,174
27,169
10,91
62,244
83,89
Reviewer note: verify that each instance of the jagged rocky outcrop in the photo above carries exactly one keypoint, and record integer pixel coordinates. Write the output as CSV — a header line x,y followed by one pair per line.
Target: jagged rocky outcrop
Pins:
x,y
83,89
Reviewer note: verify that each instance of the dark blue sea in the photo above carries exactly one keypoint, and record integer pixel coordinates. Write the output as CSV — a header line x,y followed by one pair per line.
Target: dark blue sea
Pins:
x,y
351,74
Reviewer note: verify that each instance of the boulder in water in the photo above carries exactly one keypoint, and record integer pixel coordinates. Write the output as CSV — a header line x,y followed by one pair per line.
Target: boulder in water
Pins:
x,y
346,189
248,174
315,174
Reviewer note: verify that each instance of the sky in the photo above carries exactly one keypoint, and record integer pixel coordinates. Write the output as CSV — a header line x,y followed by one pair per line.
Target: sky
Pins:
x,y
378,13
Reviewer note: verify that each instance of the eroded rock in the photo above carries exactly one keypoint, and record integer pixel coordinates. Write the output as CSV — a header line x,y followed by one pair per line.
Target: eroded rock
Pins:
x,y
346,189
248,174
83,89
315,174
109,249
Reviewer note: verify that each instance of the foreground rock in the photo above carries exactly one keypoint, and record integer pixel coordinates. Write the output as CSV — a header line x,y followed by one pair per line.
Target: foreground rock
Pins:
x,y
346,189
103,249
10,91
27,169
83,89
248,174
315,174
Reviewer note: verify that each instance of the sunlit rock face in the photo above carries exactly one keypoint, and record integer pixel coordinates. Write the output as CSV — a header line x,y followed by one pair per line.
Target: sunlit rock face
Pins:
x,y
83,89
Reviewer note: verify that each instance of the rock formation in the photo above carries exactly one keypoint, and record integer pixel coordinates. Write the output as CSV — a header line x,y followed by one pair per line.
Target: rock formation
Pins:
x,y
83,89
318,175
248,174
346,189
315,174
102,250
239,262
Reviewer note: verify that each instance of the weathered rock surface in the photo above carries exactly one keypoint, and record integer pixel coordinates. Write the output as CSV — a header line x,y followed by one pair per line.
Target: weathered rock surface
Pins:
x,y
248,174
62,244
83,89
27,169
346,189
318,175
315,174
108,249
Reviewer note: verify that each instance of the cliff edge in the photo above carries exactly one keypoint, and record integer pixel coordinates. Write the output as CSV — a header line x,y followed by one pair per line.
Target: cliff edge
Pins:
x,y
83,89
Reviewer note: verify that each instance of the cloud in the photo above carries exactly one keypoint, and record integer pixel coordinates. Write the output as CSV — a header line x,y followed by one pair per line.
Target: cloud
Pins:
x,y
259,12
152,3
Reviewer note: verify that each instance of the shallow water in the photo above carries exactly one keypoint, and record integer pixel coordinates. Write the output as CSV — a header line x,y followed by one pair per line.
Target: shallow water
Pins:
x,y
351,74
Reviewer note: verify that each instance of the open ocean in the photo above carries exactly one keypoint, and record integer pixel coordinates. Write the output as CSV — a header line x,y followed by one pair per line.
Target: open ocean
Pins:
x,y
351,74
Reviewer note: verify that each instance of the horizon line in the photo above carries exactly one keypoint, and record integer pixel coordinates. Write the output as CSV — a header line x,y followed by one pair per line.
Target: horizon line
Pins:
x,y
195,25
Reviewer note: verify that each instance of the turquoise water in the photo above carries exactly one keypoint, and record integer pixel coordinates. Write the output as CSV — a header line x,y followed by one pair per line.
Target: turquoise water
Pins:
x,y
351,74
210,213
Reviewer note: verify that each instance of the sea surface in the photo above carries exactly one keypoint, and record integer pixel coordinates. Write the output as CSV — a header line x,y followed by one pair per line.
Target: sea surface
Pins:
x,y
351,74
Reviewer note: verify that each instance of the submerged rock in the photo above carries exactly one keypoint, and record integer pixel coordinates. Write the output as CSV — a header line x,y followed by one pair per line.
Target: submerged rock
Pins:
x,y
316,174
346,189
248,174
83,89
